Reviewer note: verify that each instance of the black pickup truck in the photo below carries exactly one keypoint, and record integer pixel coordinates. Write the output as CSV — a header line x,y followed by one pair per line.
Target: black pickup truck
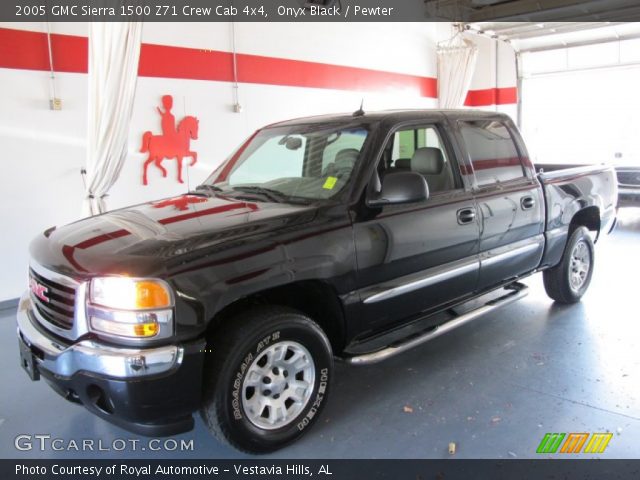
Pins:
x,y
352,236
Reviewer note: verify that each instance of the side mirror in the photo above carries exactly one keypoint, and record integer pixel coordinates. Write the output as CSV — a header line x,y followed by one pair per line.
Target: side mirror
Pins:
x,y
401,187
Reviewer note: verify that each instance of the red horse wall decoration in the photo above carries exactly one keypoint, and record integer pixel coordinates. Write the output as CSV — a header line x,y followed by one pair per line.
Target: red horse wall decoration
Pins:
x,y
173,143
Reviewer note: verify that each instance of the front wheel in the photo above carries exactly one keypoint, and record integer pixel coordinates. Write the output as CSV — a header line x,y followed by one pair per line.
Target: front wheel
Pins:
x,y
568,281
266,378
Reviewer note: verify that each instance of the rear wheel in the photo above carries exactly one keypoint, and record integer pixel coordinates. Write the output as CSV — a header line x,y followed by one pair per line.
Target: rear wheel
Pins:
x,y
568,281
266,379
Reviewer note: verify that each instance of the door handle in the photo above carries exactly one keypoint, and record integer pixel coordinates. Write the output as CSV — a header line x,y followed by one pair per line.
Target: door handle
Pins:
x,y
466,215
527,203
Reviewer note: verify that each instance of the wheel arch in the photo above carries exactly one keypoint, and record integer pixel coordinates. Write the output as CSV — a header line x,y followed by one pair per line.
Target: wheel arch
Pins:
x,y
315,298
588,217
557,238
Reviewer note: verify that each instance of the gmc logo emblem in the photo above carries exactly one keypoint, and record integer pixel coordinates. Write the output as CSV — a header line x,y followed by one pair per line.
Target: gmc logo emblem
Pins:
x,y
38,290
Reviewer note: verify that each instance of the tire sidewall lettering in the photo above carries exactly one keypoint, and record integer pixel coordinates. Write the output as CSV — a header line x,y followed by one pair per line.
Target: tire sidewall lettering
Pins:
x,y
320,388
315,405
237,385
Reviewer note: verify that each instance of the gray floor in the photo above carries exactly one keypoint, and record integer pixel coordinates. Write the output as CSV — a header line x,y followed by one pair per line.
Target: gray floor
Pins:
x,y
494,387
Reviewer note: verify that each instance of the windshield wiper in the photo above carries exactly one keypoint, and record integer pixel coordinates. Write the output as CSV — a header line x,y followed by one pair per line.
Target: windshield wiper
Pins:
x,y
270,193
207,186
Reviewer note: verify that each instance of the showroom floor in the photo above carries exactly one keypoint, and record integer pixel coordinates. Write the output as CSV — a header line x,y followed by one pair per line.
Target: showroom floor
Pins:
x,y
494,387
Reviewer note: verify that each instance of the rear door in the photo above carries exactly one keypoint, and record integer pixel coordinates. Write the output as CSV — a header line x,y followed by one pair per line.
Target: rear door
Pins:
x,y
413,258
509,197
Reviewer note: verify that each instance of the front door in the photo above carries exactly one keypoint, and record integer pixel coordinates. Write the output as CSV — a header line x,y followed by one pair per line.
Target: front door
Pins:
x,y
413,258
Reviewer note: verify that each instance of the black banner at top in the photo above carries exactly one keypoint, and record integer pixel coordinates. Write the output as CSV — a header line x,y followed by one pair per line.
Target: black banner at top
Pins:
x,y
317,10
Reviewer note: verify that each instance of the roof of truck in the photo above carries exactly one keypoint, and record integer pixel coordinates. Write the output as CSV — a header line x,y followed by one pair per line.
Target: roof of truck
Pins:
x,y
389,115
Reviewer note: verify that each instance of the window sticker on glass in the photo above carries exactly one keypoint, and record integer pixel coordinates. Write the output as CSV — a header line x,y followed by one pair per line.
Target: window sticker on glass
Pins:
x,y
329,183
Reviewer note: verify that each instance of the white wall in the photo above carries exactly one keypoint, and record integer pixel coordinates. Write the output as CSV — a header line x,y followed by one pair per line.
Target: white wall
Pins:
x,y
488,75
496,68
42,154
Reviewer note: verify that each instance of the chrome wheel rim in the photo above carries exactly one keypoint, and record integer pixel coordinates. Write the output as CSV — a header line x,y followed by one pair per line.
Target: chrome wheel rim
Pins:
x,y
579,265
278,385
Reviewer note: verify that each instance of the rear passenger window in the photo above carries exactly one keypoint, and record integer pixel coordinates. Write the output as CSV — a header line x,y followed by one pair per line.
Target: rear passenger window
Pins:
x,y
493,153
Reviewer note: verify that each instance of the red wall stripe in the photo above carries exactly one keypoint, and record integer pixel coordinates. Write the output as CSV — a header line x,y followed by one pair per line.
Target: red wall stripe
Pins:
x,y
178,62
23,49
491,96
280,71
28,50
186,63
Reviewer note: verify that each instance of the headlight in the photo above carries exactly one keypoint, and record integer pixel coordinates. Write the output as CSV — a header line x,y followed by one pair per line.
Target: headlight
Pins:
x,y
130,307
130,294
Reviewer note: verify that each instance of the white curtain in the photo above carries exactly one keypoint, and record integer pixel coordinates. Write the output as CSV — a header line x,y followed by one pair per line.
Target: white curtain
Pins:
x,y
114,51
456,64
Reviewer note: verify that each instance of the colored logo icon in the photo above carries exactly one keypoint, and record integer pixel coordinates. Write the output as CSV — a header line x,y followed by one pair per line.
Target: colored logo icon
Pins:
x,y
574,443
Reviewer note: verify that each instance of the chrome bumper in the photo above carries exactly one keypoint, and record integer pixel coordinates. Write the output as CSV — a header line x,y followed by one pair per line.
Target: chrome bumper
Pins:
x,y
90,356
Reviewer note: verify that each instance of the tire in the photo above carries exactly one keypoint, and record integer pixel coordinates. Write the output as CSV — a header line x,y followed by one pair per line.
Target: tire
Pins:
x,y
239,406
568,281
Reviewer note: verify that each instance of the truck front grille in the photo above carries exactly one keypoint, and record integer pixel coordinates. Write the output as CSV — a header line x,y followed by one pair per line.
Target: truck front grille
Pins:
x,y
55,303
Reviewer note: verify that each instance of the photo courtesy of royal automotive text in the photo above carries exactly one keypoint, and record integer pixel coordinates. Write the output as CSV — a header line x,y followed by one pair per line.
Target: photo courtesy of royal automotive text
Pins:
x,y
339,239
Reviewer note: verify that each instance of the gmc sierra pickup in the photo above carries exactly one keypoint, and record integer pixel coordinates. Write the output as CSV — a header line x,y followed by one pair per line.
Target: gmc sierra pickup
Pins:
x,y
350,236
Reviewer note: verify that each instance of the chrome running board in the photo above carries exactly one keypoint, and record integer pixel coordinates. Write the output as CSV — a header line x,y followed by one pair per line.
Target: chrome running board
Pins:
x,y
517,291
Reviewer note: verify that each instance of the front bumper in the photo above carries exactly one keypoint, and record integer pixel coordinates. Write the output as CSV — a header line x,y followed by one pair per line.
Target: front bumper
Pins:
x,y
150,391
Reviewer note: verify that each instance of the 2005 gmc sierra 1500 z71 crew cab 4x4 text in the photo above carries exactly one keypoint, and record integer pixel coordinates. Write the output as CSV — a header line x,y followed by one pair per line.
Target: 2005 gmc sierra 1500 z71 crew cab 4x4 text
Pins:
x,y
355,236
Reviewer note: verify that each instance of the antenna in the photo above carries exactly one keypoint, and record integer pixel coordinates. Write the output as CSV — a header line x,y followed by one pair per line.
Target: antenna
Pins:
x,y
360,111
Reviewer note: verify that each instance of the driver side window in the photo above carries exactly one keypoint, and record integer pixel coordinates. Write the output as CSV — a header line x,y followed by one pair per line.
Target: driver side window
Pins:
x,y
420,150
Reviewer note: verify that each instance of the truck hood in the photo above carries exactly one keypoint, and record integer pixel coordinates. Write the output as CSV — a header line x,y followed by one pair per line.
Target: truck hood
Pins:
x,y
140,240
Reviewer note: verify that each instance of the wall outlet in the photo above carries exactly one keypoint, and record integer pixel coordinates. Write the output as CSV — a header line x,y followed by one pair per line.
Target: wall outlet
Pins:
x,y
237,108
55,104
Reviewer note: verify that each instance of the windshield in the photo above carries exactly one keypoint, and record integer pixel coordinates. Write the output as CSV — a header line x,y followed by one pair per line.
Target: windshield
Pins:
x,y
302,162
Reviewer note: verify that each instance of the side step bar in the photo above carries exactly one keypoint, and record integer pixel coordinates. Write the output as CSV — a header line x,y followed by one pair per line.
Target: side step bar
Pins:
x,y
518,290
